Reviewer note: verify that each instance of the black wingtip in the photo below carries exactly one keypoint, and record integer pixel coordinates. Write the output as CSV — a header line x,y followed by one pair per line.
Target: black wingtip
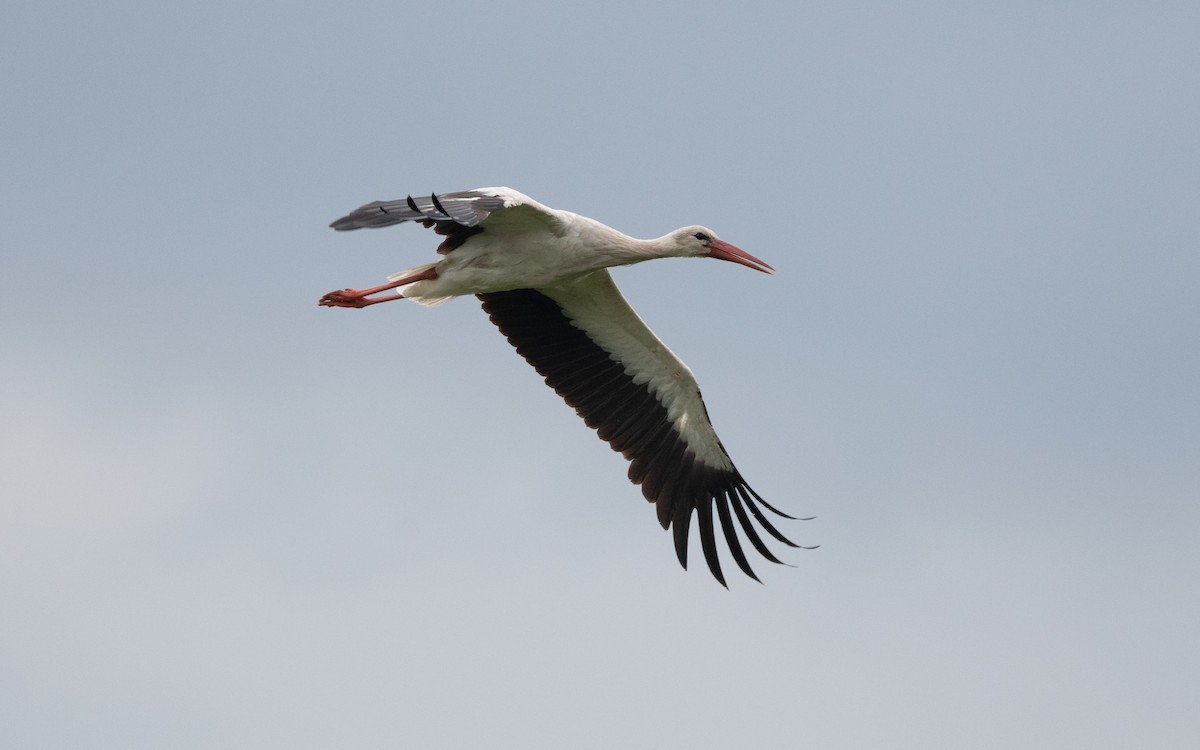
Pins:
x,y
731,538
708,541
765,523
751,534
768,506
682,526
438,205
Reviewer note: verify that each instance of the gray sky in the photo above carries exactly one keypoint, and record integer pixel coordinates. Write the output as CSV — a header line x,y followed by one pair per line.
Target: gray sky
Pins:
x,y
232,519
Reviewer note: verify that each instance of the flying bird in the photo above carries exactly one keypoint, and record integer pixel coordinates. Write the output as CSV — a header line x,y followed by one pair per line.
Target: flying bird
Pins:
x,y
542,276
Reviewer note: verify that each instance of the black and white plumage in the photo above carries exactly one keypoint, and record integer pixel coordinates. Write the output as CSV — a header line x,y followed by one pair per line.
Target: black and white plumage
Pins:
x,y
542,277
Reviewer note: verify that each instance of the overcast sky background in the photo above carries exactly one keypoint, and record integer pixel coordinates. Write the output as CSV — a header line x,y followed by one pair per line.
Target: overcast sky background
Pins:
x,y
232,519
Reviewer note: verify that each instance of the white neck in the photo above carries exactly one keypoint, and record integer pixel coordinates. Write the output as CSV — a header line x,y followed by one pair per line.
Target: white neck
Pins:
x,y
614,248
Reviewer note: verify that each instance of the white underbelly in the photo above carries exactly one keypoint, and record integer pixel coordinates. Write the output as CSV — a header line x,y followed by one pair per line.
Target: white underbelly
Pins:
x,y
481,272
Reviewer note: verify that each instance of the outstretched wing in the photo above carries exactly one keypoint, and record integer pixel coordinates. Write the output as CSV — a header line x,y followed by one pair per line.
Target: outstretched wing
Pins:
x,y
593,349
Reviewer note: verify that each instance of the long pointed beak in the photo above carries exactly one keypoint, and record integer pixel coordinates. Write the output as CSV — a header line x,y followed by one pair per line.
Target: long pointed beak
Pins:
x,y
724,251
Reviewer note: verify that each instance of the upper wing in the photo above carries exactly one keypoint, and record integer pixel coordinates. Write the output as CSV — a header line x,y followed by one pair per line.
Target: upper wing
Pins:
x,y
467,208
457,216
594,350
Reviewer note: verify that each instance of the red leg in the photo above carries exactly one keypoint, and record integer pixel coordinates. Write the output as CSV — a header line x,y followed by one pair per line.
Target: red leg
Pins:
x,y
362,297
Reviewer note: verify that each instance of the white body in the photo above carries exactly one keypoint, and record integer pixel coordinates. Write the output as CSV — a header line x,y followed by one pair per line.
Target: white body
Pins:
x,y
526,246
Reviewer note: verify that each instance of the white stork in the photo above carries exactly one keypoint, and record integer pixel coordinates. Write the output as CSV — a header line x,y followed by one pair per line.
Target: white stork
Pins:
x,y
542,277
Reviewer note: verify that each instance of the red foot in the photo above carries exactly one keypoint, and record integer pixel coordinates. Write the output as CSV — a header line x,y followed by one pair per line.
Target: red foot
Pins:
x,y
353,298
362,298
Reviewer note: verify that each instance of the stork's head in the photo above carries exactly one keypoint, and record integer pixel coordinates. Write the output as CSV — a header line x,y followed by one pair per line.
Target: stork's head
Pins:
x,y
700,242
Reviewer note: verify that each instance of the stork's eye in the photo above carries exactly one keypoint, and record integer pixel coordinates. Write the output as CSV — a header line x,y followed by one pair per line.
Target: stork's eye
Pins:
x,y
702,236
